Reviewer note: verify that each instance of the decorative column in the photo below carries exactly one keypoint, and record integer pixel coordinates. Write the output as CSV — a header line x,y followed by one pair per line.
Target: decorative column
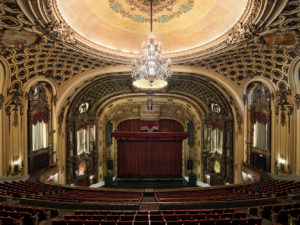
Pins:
x,y
283,112
237,148
228,154
61,148
2,136
14,112
71,152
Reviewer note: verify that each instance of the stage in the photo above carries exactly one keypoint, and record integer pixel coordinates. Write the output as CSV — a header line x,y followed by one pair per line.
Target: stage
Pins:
x,y
150,183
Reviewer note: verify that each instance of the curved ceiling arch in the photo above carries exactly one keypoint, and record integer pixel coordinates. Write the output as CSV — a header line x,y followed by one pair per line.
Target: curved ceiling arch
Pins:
x,y
199,89
73,86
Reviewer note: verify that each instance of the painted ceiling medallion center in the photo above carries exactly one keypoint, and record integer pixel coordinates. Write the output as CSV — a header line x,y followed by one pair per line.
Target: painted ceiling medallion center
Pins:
x,y
158,5
163,10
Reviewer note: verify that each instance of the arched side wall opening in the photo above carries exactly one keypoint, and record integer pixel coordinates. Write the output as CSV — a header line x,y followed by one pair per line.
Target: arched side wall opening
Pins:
x,y
295,78
3,87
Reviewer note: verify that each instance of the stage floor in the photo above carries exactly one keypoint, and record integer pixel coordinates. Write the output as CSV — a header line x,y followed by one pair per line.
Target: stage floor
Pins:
x,y
150,183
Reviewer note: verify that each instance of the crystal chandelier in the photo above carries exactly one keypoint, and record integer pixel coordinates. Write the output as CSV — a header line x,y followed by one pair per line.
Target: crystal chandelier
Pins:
x,y
151,71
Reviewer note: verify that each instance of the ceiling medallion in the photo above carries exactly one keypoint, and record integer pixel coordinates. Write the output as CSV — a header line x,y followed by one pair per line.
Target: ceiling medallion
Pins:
x,y
151,72
138,10
158,5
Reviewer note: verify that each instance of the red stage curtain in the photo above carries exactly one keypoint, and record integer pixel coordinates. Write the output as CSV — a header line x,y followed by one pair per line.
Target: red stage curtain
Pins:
x,y
149,159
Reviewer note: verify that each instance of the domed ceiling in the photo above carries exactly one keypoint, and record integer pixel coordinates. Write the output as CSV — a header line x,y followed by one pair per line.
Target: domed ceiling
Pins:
x,y
122,25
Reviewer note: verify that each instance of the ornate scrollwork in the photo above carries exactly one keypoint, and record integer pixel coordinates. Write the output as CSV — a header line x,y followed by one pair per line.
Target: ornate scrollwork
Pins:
x,y
61,31
284,105
242,32
14,104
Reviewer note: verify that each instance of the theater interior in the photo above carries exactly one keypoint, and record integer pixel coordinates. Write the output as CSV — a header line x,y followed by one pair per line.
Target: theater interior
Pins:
x,y
149,112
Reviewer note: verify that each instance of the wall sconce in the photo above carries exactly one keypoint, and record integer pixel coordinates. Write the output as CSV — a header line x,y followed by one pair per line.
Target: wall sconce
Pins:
x,y
16,165
281,160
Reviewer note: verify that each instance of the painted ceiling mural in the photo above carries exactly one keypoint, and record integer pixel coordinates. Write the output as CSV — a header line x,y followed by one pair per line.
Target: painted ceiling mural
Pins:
x,y
138,10
36,49
127,22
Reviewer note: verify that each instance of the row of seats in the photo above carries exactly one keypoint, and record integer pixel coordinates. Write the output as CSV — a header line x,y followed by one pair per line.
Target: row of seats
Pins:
x,y
246,221
202,196
278,213
22,214
166,217
39,191
34,190
233,193
154,212
27,189
10,221
159,217
40,213
92,196
270,187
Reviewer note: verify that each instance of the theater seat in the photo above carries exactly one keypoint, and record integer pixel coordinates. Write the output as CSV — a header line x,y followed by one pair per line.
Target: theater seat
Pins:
x,y
162,222
174,223
254,221
139,223
207,222
75,222
141,218
223,222
108,222
240,221
170,217
190,222
94,222
124,222
59,222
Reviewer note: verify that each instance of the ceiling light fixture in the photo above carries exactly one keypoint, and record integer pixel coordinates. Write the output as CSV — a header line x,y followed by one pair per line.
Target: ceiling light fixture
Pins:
x,y
151,72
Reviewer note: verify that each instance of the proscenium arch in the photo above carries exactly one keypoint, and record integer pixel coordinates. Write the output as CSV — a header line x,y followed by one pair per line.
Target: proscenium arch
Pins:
x,y
97,90
72,86
67,99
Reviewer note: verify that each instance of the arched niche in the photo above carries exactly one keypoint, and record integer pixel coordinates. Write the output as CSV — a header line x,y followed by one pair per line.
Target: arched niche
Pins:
x,y
40,127
81,145
3,133
218,146
259,116
295,86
